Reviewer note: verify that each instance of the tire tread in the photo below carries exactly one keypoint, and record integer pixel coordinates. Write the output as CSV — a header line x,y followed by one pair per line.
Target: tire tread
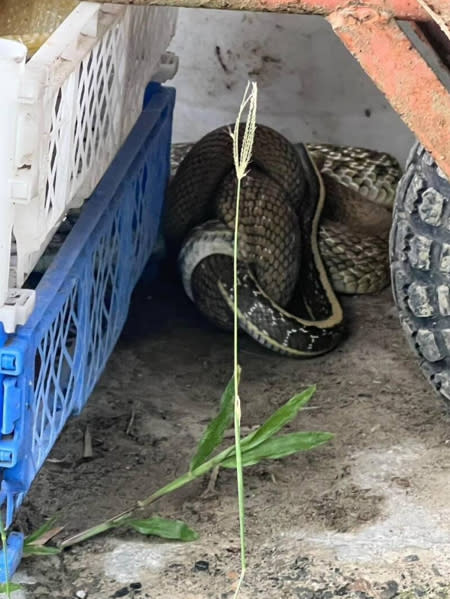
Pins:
x,y
420,264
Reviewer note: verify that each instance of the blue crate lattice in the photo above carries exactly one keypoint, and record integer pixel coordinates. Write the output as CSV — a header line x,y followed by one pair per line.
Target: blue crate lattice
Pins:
x,y
49,367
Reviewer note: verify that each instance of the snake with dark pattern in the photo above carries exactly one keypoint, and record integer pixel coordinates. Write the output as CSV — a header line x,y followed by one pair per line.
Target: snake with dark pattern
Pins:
x,y
314,220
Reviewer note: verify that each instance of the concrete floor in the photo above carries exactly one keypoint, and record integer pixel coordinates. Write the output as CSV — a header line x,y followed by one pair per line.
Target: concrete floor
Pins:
x,y
366,516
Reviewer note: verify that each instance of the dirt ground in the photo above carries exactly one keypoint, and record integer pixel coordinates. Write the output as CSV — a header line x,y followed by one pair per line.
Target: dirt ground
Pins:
x,y
366,516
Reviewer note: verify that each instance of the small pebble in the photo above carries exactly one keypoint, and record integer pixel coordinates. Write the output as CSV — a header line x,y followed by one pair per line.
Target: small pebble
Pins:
x,y
81,594
390,590
411,558
201,565
123,592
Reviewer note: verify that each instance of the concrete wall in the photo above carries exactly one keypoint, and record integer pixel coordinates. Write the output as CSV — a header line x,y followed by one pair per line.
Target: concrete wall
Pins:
x,y
310,87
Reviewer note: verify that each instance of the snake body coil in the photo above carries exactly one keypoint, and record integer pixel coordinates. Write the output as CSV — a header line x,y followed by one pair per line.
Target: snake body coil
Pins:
x,y
286,299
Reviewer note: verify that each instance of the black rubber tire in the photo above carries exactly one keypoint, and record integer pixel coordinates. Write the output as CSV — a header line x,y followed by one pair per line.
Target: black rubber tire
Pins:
x,y
420,264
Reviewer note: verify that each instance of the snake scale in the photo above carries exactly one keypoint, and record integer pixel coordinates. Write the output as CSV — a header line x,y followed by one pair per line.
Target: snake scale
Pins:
x,y
314,221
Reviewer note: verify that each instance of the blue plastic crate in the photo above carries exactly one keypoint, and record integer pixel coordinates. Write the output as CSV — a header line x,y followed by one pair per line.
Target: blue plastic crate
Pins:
x,y
49,367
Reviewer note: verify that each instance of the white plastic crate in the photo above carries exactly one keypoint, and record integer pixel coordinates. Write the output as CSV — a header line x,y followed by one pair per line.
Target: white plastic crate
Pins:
x,y
63,116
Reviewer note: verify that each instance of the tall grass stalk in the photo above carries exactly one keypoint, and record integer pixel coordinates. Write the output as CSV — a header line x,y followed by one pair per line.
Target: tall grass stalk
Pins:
x,y
241,157
3,539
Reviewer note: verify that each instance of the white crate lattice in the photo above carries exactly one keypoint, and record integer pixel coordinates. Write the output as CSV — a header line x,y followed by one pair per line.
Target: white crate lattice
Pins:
x,y
80,95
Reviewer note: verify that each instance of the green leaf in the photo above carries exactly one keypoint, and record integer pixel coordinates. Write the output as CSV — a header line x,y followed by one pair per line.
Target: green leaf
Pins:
x,y
161,527
213,435
33,537
279,447
8,587
40,550
279,419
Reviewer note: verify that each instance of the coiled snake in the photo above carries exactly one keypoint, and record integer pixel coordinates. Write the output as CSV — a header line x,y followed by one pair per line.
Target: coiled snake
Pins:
x,y
314,220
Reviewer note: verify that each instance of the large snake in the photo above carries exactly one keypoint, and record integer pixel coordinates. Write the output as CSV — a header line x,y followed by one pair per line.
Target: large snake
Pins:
x,y
314,220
